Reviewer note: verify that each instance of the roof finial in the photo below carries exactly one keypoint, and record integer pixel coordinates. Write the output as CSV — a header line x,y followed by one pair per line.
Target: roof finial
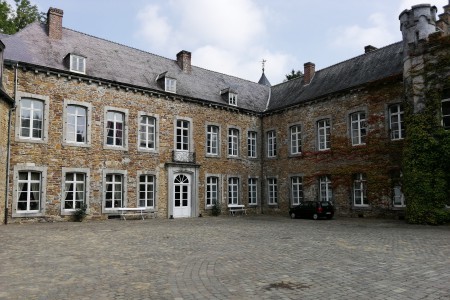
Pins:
x,y
263,64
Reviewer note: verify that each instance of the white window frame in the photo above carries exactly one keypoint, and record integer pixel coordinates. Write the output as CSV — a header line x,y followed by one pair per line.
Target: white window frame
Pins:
x,y
360,190
20,96
77,180
297,194
252,139
170,85
232,99
271,144
272,191
79,113
42,191
148,130
398,198
325,189
88,109
324,134
253,191
212,191
149,188
358,128
233,142
396,124
233,190
115,111
77,64
182,135
212,140
123,175
86,173
295,134
445,117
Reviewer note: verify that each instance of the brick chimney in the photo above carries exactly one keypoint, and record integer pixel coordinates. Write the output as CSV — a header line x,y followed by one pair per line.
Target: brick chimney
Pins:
x,y
309,71
54,23
369,48
184,61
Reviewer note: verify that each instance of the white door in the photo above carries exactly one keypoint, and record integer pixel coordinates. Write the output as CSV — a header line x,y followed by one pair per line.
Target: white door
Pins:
x,y
182,196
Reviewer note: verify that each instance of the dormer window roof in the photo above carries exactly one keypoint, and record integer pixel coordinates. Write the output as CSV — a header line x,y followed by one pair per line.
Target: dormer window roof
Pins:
x,y
168,83
231,94
77,63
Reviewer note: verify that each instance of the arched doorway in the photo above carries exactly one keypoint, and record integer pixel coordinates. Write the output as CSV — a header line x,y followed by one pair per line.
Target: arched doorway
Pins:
x,y
182,196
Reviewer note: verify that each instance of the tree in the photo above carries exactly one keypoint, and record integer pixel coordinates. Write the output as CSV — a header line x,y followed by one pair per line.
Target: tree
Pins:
x,y
293,75
13,20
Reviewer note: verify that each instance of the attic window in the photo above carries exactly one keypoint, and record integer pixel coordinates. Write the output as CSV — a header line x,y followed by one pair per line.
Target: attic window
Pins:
x,y
77,63
170,85
232,99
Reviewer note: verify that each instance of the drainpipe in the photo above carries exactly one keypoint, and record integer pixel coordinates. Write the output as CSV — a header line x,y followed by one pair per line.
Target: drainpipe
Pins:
x,y
8,153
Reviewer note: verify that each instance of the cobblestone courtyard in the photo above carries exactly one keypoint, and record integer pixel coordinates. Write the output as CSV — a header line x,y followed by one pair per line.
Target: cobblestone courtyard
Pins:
x,y
225,258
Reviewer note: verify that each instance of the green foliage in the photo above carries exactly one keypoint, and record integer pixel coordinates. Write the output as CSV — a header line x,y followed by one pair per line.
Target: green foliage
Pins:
x,y
294,74
13,20
80,213
215,211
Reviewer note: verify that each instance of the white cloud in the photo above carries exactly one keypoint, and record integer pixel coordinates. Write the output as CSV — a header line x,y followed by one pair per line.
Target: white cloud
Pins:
x,y
226,36
356,37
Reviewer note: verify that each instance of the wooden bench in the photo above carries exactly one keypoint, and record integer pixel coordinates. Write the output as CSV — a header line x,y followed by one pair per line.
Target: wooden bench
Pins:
x,y
134,211
233,208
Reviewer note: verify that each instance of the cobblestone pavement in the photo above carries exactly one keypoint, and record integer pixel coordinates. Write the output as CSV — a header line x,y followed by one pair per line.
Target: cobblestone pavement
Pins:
x,y
225,258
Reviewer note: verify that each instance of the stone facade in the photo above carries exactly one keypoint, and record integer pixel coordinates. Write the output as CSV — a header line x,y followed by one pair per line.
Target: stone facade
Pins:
x,y
4,112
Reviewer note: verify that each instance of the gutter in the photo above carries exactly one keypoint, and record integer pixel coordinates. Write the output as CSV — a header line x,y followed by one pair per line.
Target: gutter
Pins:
x,y
8,153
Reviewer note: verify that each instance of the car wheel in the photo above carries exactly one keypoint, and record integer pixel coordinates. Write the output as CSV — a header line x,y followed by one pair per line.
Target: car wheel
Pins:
x,y
315,216
292,215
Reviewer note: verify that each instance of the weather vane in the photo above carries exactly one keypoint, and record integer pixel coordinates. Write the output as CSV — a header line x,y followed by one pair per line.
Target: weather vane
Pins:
x,y
263,64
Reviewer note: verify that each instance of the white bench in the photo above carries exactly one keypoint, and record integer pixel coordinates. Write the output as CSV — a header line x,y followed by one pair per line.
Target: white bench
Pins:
x,y
233,208
134,211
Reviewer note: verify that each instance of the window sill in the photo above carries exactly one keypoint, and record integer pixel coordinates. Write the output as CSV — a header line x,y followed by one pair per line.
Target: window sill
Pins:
x,y
80,145
212,155
27,214
108,147
32,141
152,151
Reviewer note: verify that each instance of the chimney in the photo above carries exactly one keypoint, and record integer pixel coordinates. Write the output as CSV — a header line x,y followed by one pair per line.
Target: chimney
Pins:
x,y
184,61
54,23
369,48
309,71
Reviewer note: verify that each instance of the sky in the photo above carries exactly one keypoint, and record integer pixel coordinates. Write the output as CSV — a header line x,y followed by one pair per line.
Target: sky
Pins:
x,y
234,36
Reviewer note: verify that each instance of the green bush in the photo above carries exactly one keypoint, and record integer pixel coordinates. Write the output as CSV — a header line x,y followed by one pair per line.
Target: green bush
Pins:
x,y
215,211
80,213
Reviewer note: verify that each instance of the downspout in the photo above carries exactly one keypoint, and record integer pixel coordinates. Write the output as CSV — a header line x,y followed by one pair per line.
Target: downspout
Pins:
x,y
8,153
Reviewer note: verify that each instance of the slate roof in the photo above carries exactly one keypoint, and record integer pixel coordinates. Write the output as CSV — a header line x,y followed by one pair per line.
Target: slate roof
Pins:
x,y
126,65
121,64
369,67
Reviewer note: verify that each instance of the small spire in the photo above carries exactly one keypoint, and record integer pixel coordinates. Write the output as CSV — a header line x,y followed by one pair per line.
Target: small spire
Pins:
x,y
263,64
263,80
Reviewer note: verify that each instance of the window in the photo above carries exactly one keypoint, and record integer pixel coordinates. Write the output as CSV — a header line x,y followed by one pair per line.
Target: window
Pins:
x,y
146,191
446,114
114,195
74,190
233,190
115,128
212,140
296,139
251,144
31,119
271,144
398,197
272,191
396,127
358,128
297,190
233,142
360,190
182,135
77,64
323,134
76,131
232,99
252,191
325,192
29,192
212,191
170,85
147,133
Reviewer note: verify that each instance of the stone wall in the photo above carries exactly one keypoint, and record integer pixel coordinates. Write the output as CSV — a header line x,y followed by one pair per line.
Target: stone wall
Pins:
x,y
55,154
4,111
377,158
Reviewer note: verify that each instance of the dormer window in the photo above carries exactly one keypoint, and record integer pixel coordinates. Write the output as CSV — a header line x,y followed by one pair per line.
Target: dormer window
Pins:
x,y
232,99
77,63
170,85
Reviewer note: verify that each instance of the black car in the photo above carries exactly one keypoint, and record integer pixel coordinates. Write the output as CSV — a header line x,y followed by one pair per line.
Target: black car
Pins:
x,y
312,209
